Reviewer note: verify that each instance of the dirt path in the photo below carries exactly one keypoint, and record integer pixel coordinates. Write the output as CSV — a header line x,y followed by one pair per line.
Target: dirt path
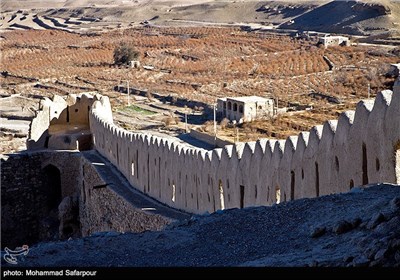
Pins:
x,y
117,182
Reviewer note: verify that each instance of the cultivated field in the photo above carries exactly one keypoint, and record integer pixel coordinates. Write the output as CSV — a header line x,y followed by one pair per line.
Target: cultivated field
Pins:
x,y
196,65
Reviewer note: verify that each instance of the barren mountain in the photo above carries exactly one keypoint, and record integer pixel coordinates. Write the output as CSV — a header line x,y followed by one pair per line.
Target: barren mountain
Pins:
x,y
352,17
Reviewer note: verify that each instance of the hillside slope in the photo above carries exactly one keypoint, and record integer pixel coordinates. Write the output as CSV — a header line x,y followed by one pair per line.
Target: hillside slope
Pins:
x,y
352,17
359,228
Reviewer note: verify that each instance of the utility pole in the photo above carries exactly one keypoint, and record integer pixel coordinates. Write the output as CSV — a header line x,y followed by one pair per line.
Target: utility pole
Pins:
x,y
186,125
369,90
127,82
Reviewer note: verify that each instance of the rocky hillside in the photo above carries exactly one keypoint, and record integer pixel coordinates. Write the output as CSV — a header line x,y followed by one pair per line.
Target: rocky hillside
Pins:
x,y
351,17
359,228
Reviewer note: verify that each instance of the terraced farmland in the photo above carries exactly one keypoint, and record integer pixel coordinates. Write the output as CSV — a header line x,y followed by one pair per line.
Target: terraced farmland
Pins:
x,y
195,64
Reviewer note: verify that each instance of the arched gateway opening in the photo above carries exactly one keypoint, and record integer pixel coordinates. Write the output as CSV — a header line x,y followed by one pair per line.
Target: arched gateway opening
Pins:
x,y
51,192
52,186
61,214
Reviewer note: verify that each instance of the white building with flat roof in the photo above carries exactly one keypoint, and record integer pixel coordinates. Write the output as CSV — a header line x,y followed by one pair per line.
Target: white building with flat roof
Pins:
x,y
246,108
328,41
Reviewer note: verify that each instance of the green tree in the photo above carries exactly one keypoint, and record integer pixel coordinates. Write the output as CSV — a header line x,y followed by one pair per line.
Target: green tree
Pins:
x,y
125,53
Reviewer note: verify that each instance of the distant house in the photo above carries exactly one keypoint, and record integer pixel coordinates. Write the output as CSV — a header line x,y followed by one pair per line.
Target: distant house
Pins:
x,y
307,35
328,41
245,109
134,63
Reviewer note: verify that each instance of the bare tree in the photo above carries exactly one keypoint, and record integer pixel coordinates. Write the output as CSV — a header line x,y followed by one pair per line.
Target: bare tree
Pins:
x,y
125,53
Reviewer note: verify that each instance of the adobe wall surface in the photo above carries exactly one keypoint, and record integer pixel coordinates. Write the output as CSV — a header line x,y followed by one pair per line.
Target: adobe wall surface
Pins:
x,y
359,148
101,209
18,197
209,139
38,130
26,193
26,216
57,114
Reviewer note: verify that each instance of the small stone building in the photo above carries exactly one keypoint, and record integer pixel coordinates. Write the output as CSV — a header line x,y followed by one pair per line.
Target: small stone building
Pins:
x,y
246,108
134,63
328,41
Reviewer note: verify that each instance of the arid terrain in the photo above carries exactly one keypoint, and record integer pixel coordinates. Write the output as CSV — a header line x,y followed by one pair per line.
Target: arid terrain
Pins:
x,y
356,229
192,52
189,54
193,66
360,17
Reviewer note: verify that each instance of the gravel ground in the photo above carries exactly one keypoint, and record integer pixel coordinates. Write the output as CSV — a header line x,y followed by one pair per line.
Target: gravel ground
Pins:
x,y
359,228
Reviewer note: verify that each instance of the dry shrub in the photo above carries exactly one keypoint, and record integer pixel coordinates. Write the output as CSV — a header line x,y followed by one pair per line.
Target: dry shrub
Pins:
x,y
224,123
167,121
170,120
174,99
208,126
149,95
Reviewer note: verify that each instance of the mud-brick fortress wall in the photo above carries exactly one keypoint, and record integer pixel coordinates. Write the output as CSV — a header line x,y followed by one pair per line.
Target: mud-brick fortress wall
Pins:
x,y
72,111
27,195
361,147
29,199
102,209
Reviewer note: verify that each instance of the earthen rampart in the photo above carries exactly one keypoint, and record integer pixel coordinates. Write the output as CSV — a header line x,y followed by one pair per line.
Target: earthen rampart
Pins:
x,y
361,147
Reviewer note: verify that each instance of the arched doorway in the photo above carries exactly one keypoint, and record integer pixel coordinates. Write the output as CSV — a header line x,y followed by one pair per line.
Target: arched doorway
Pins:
x,y
52,186
51,198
